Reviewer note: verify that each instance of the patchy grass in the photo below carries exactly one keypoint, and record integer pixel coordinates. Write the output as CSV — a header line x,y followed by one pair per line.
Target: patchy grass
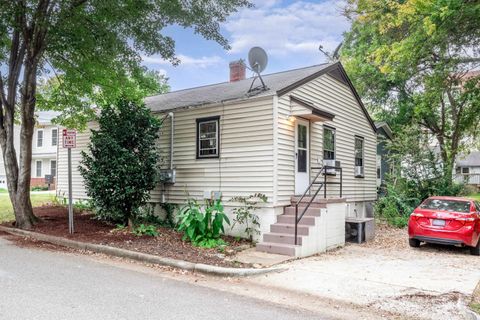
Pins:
x,y
6,210
475,196
475,303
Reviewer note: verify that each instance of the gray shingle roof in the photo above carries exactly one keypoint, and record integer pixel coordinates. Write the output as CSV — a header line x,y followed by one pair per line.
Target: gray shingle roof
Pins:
x,y
228,91
472,160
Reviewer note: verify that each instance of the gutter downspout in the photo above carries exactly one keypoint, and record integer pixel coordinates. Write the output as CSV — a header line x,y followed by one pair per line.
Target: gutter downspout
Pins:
x,y
172,119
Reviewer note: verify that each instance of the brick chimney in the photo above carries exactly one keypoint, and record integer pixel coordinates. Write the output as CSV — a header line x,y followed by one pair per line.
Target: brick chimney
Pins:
x,y
237,70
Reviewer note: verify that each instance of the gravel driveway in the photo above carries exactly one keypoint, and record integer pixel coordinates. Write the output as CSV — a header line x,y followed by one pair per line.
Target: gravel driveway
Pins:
x,y
431,282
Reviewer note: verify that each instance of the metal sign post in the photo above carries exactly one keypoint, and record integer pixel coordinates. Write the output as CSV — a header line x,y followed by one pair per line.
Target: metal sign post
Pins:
x,y
69,142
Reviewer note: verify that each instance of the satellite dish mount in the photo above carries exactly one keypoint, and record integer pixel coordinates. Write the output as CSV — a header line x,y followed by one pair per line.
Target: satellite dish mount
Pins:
x,y
257,59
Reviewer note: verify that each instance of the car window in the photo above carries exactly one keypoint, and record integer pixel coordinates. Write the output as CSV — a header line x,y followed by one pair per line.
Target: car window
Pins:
x,y
446,205
477,206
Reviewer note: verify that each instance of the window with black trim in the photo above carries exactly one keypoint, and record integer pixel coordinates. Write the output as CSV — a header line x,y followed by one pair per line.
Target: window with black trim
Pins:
x,y
359,163
465,170
328,143
208,138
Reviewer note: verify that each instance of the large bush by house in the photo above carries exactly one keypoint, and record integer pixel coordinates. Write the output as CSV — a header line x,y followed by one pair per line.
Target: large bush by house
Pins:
x,y
120,167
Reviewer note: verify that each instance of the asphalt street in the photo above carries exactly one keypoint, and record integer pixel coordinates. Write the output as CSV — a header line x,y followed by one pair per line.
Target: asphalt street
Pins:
x,y
39,284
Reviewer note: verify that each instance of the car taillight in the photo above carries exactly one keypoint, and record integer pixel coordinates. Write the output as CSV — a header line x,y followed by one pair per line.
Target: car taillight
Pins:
x,y
417,215
469,219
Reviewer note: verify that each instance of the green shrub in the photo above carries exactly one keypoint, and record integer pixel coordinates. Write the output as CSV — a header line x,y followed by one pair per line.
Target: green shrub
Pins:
x,y
202,223
245,214
120,167
145,230
40,188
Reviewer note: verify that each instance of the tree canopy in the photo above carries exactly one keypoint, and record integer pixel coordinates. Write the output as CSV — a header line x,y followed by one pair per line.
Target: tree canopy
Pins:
x,y
412,62
93,49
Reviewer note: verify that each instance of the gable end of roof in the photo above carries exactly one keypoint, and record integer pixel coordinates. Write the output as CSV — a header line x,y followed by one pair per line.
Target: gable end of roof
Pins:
x,y
338,72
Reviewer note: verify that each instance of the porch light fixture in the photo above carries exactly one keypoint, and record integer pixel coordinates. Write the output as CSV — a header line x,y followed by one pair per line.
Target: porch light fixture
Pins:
x,y
290,118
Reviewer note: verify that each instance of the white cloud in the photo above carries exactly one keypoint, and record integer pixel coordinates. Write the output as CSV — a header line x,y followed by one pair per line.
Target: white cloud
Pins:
x,y
202,62
299,27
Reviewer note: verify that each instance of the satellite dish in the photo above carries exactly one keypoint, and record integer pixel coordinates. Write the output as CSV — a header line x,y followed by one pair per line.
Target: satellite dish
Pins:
x,y
257,58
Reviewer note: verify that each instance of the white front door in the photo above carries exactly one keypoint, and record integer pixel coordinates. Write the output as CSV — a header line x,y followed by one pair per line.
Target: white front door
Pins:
x,y
302,163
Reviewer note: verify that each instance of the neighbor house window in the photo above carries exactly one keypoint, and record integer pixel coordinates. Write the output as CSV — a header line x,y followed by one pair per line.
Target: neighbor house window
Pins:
x,y
328,143
208,137
465,170
39,168
359,163
53,168
54,137
39,138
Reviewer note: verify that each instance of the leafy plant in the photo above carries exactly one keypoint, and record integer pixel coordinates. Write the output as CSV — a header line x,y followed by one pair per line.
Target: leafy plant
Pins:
x,y
212,243
202,223
60,200
169,211
245,215
83,205
120,167
40,188
145,230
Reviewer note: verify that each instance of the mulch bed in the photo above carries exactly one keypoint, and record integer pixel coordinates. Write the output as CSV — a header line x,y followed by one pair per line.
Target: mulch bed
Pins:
x,y
54,221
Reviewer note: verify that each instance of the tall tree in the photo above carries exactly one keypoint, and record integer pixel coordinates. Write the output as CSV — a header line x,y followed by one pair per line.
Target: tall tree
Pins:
x,y
91,46
412,61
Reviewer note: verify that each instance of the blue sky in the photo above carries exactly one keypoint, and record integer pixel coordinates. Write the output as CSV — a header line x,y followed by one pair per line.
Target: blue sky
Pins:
x,y
289,31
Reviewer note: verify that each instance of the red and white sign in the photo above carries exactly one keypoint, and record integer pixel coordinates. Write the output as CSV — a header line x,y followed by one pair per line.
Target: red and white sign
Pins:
x,y
69,138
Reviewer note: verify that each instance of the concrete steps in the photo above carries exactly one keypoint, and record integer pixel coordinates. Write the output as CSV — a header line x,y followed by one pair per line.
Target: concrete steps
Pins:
x,y
278,248
281,238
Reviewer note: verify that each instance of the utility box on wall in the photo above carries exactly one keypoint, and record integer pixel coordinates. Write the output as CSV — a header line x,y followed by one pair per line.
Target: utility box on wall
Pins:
x,y
168,176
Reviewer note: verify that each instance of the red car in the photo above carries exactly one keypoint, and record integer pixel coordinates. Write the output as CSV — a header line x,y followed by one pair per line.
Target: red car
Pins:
x,y
446,220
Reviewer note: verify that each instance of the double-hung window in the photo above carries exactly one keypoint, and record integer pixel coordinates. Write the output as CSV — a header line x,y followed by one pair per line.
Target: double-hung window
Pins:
x,y
54,137
328,143
359,163
38,168
208,137
39,138
53,167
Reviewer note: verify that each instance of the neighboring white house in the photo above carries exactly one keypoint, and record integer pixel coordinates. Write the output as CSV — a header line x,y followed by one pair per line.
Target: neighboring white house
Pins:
x,y
233,141
44,150
467,169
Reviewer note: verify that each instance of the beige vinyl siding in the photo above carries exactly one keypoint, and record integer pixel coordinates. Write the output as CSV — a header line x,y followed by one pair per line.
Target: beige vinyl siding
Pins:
x,y
335,97
78,188
245,165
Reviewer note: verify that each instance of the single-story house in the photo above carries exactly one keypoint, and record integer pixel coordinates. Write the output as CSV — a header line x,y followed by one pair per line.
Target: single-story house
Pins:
x,y
237,138
467,169
384,133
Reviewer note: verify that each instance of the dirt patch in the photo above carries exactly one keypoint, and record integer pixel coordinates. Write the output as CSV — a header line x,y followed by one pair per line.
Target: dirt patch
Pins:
x,y
54,221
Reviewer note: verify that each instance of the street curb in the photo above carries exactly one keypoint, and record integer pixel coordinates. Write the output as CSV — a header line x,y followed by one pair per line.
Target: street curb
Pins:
x,y
143,257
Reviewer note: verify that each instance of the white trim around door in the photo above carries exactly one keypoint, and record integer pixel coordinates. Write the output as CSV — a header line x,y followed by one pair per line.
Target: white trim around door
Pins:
x,y
302,156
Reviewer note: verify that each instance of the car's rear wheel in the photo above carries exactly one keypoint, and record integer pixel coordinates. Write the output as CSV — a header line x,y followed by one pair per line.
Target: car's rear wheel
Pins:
x,y
475,251
414,243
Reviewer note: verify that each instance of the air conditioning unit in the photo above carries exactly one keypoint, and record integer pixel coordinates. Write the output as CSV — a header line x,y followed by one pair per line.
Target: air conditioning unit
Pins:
x,y
331,163
358,171
359,230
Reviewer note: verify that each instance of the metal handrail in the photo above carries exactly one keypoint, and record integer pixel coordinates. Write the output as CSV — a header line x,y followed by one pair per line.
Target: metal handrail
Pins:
x,y
322,185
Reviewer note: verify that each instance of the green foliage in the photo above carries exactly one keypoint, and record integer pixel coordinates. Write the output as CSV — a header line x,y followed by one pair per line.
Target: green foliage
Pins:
x,y
211,243
409,59
83,205
60,200
169,211
202,223
145,230
39,188
120,167
395,208
245,215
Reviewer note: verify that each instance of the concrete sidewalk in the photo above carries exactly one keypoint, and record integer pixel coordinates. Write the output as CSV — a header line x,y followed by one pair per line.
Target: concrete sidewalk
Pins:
x,y
430,282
